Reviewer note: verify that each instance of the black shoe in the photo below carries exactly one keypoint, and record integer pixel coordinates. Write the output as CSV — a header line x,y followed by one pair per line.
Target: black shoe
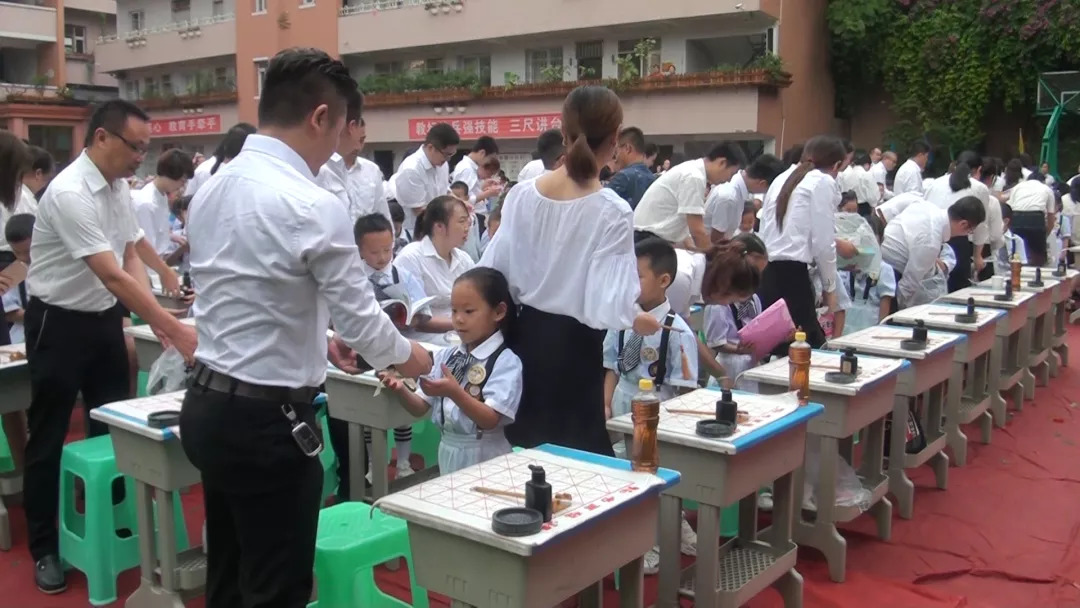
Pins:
x,y
49,575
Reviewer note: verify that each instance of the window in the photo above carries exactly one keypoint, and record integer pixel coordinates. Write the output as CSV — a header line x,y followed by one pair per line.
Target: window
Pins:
x,y
56,140
260,75
389,67
138,21
479,65
218,8
166,85
150,87
181,10
590,59
539,62
645,65
260,7
75,39
430,66
307,3
131,89
221,78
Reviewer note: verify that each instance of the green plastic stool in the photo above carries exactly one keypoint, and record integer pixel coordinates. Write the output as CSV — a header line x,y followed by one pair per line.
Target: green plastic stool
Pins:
x,y
328,459
7,464
140,384
353,539
89,541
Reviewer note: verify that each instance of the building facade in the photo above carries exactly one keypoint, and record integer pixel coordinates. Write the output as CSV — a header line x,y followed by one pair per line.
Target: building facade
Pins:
x,y
48,76
689,73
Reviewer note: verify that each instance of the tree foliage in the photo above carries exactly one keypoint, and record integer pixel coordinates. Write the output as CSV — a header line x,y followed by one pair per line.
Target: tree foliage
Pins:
x,y
946,62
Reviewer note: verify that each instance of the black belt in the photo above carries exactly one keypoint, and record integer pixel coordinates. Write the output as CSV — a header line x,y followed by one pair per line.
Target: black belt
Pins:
x,y
206,378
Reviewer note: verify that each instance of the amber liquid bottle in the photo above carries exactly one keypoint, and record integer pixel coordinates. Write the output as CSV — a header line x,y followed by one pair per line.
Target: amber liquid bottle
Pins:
x,y
799,367
1015,266
645,414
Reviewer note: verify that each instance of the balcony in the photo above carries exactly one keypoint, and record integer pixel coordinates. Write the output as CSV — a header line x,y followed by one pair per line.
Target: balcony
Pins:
x,y
190,101
107,7
37,94
176,42
28,23
419,23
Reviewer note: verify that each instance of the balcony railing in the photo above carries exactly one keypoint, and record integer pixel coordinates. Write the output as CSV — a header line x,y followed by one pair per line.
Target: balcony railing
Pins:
x,y
223,95
176,26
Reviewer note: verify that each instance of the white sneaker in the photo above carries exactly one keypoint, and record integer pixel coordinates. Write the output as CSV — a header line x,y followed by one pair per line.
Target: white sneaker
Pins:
x,y
652,561
765,501
404,470
688,540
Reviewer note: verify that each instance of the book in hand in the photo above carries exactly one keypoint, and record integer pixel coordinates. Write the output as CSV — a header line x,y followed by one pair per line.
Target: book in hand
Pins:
x,y
400,308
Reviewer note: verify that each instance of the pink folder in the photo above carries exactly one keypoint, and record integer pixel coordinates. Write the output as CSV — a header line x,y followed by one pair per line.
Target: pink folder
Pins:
x,y
768,330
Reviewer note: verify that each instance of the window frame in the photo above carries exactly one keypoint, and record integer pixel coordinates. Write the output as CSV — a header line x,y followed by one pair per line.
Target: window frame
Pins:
x,y
534,74
75,33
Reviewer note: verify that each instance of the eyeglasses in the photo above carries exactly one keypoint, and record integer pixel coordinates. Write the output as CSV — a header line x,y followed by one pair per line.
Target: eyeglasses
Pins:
x,y
133,147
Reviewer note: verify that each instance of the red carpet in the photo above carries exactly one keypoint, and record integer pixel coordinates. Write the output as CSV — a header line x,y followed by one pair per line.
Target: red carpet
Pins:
x,y
1006,534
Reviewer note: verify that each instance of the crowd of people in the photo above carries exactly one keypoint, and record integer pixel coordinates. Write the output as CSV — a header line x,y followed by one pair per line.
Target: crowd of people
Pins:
x,y
546,299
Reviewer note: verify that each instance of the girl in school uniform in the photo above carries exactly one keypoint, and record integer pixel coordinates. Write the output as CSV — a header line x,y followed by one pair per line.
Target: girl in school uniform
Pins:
x,y
797,228
475,387
723,322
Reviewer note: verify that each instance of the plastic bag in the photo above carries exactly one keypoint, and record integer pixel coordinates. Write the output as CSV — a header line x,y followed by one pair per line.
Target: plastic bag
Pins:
x,y
168,374
849,490
854,229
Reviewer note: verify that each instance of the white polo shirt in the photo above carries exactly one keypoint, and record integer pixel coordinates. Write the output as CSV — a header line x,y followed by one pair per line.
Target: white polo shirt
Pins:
x,y
80,215
365,180
417,182
275,261
677,193
152,213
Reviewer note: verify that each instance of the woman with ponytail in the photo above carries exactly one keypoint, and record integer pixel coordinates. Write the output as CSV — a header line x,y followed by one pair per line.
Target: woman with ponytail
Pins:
x,y
566,245
967,179
798,229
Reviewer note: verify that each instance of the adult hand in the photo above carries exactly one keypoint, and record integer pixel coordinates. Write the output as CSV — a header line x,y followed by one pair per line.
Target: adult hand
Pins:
x,y
184,339
341,356
418,364
646,324
980,263
170,284
446,386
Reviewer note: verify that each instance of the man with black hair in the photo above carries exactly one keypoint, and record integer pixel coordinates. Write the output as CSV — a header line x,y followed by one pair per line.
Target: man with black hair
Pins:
x,y
355,181
425,174
275,262
726,203
467,171
550,153
909,175
651,152
88,253
673,208
633,177
174,168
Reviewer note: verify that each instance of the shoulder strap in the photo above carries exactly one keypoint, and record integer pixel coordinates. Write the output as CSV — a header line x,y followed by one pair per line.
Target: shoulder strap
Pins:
x,y
735,316
489,365
661,362
622,335
394,275
866,290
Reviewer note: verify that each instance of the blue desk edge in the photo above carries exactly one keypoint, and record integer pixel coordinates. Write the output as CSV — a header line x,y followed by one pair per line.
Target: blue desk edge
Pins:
x,y
166,433
669,477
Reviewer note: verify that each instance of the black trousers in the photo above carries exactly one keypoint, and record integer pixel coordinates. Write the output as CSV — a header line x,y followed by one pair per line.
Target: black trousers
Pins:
x,y
988,270
68,352
960,277
262,497
1031,226
790,281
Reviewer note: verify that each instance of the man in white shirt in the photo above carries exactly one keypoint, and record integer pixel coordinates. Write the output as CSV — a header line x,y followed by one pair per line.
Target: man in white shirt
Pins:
x,y
88,253
913,242
673,208
875,156
265,302
424,174
1034,211
860,181
174,169
909,176
468,172
355,181
726,203
880,172
550,153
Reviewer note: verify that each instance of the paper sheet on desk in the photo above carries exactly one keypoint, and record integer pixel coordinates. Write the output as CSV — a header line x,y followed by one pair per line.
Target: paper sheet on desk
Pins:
x,y
768,330
140,409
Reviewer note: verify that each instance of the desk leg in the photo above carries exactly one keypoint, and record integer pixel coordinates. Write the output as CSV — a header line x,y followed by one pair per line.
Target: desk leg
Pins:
x,y
821,533
997,403
149,594
872,462
935,404
670,553
167,548
957,440
5,528
789,585
357,462
380,482
899,485
1026,377
632,583
707,567
592,596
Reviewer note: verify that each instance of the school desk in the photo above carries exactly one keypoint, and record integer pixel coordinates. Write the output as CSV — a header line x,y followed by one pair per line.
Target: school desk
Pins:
x,y
717,473
1063,296
973,385
14,397
155,460
1041,320
1013,334
609,525
927,376
849,408
163,300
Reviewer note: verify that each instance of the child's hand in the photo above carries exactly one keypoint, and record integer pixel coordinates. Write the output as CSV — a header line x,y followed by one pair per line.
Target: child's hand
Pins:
x,y
744,348
447,386
391,380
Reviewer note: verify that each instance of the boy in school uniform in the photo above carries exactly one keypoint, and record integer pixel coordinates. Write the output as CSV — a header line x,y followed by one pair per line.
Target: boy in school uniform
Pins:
x,y
668,358
1014,244
402,237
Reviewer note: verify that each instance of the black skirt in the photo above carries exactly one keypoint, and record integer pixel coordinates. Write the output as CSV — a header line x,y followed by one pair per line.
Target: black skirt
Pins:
x,y
960,277
1031,226
790,281
562,398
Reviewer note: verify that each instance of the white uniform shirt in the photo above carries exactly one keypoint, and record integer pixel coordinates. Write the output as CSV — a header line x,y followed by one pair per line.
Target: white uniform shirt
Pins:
x,y
502,392
465,172
663,208
1014,245
685,288
1032,195
152,213
725,204
989,231
862,182
908,178
423,261
275,261
365,180
681,342
417,182
532,169
334,178
24,203
896,205
13,302
573,258
809,232
912,243
202,173
80,215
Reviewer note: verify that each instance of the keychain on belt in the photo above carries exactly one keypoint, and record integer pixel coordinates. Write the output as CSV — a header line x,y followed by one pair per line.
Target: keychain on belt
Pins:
x,y
310,443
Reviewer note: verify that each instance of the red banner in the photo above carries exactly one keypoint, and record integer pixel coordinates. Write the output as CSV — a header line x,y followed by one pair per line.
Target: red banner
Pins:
x,y
471,127
201,125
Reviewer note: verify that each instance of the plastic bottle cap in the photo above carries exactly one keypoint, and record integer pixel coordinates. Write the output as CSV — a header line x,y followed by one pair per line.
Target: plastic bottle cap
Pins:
x,y
645,384
800,336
